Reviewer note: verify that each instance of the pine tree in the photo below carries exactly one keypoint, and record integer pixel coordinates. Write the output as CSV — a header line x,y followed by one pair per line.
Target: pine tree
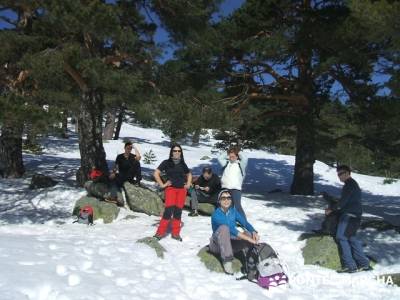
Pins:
x,y
281,61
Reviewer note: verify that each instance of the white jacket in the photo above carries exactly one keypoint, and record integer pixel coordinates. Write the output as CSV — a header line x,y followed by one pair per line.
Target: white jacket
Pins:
x,y
232,177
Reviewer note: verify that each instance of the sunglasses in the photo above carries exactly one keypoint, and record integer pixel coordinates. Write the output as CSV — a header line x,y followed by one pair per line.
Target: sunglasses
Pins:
x,y
176,151
226,198
341,173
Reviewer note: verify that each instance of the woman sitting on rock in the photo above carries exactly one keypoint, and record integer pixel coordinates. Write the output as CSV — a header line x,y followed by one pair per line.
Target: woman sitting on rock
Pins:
x,y
227,239
178,182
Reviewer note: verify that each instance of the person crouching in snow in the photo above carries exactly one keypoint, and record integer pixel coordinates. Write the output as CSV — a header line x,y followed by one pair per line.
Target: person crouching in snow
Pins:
x,y
175,189
226,238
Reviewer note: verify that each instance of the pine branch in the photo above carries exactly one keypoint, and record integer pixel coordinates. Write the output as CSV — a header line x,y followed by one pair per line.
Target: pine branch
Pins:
x,y
297,100
76,77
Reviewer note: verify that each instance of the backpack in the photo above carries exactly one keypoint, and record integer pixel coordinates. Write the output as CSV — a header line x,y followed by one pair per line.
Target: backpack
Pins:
x,y
85,215
263,266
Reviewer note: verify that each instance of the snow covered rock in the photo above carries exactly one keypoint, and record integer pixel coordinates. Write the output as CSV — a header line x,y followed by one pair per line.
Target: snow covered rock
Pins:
x,y
153,243
322,251
39,181
143,200
102,210
213,263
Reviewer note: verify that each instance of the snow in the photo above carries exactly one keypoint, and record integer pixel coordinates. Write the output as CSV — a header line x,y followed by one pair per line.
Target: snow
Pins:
x,y
44,256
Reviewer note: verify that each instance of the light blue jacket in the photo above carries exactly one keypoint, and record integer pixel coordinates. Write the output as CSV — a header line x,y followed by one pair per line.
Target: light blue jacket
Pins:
x,y
219,217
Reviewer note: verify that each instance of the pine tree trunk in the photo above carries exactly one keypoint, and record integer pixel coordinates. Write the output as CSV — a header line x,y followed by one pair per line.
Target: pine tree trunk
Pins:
x,y
110,124
196,137
90,135
64,125
120,119
11,160
31,136
303,179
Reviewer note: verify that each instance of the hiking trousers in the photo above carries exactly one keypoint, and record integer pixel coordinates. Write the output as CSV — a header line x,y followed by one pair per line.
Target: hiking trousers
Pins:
x,y
223,244
197,196
174,202
351,251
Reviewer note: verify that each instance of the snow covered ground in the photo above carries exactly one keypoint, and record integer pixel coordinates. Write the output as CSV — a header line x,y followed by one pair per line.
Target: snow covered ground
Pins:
x,y
44,256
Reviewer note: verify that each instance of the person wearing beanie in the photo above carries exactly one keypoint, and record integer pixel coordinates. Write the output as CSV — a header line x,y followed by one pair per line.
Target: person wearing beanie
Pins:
x,y
226,238
175,188
349,210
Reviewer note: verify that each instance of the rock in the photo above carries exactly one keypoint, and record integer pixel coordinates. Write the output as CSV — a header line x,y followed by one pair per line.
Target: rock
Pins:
x,y
205,158
213,263
141,199
41,181
379,224
393,278
101,190
102,210
153,243
322,251
204,208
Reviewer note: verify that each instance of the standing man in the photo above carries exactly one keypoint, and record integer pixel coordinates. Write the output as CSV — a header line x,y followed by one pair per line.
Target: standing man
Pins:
x,y
233,173
349,211
206,189
128,166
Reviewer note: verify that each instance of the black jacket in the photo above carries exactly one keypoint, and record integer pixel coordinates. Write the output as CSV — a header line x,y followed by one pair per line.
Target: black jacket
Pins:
x,y
214,183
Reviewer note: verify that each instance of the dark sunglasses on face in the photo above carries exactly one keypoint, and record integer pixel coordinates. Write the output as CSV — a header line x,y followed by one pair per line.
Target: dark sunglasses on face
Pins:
x,y
176,150
341,173
226,198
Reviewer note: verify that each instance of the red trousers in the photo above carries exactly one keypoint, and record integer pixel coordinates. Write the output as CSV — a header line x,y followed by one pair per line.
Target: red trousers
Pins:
x,y
174,202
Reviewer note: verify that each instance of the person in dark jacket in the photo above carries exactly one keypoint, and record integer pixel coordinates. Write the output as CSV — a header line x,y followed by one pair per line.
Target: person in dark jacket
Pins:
x,y
175,188
349,210
226,238
127,166
206,189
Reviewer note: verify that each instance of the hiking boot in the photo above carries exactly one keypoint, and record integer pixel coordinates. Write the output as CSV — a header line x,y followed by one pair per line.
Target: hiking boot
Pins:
x,y
366,268
193,213
177,237
158,237
228,268
347,270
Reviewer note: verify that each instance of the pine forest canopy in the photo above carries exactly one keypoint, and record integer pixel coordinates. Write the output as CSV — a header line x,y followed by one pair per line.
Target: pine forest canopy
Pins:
x,y
296,76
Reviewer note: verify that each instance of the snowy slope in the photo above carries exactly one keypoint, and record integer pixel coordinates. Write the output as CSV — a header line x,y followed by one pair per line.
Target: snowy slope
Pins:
x,y
44,256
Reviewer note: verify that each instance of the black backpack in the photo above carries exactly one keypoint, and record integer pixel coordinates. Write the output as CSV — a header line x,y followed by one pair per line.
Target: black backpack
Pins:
x,y
254,255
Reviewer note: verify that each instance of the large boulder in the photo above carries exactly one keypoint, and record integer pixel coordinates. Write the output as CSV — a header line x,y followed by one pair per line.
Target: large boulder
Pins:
x,y
101,209
153,243
39,181
322,251
214,264
143,200
101,190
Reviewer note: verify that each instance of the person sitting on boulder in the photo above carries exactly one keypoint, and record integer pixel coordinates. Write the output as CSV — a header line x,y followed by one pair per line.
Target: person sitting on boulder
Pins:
x,y
349,210
175,188
127,166
226,238
206,189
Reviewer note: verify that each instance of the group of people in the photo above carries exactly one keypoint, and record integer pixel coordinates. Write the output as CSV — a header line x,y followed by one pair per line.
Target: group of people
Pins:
x,y
175,178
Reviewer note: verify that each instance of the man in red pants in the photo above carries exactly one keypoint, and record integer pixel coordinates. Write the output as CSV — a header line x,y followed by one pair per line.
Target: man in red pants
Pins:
x,y
178,182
